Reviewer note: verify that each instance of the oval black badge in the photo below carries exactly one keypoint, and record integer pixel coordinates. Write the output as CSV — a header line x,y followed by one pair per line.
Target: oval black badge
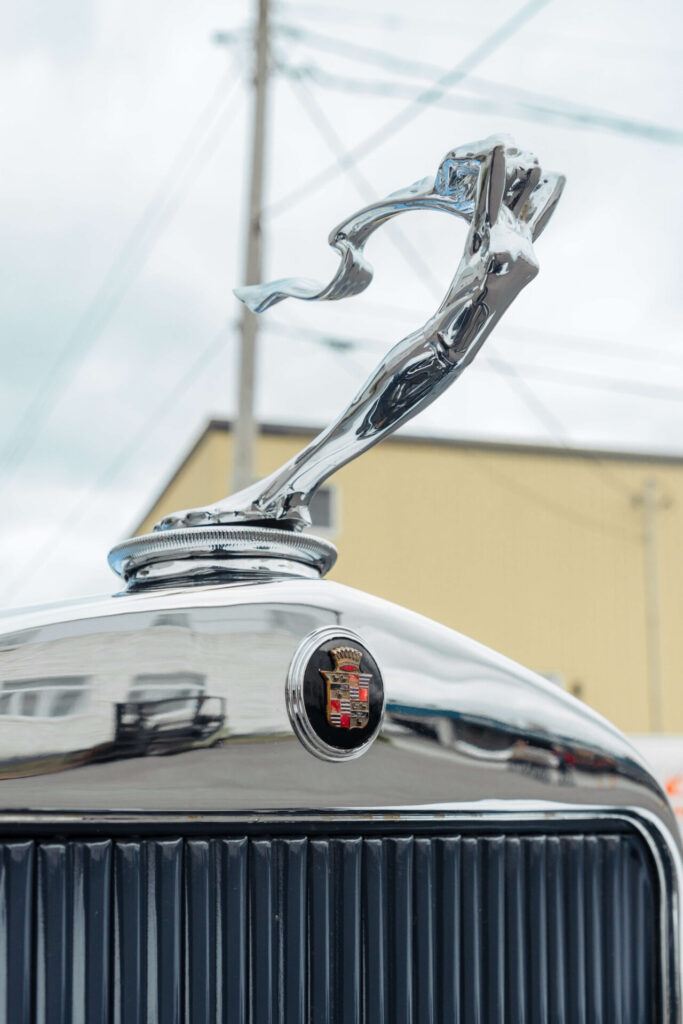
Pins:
x,y
335,694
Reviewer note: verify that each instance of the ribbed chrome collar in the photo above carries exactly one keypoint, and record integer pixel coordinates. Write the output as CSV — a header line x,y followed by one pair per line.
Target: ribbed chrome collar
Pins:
x,y
220,552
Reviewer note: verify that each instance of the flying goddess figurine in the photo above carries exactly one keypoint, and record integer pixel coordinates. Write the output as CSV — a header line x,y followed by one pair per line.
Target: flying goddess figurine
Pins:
x,y
507,201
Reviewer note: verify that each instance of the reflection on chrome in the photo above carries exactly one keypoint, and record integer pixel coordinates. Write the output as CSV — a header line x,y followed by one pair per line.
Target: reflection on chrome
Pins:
x,y
145,692
199,676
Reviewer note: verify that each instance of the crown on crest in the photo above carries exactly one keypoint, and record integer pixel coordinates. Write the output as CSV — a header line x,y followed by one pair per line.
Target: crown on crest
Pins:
x,y
346,656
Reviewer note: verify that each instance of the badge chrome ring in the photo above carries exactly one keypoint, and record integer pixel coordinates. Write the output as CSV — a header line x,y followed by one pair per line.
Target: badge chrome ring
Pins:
x,y
296,702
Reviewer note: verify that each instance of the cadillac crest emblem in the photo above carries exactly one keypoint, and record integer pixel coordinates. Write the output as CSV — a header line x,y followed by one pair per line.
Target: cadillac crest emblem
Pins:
x,y
348,690
335,694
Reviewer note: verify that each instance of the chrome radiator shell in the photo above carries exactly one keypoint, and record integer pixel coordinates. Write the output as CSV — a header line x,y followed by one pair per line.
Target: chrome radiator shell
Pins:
x,y
468,735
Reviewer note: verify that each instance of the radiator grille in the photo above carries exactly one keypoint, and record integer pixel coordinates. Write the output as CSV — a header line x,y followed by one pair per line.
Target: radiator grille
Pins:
x,y
336,930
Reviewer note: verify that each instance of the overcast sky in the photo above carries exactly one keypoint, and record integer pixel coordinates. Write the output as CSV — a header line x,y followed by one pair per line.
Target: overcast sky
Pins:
x,y
122,210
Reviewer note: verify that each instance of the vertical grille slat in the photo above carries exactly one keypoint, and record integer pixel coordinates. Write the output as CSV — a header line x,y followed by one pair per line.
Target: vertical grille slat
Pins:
x,y
401,931
643,925
614,982
348,965
130,938
376,938
200,972
447,903
16,931
576,930
515,955
594,926
320,917
494,925
425,961
263,931
472,908
294,931
418,929
557,929
165,955
91,946
53,995
231,931
537,937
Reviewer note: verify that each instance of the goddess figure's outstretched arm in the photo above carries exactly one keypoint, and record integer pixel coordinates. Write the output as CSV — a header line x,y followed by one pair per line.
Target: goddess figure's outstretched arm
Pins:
x,y
507,202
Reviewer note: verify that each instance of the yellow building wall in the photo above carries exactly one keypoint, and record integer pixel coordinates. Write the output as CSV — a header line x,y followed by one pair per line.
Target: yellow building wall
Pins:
x,y
537,554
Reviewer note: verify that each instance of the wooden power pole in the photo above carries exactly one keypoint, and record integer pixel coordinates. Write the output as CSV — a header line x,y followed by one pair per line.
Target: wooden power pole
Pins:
x,y
244,438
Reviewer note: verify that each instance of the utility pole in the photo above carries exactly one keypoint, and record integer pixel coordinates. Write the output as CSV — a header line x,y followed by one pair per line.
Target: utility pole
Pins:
x,y
650,502
244,437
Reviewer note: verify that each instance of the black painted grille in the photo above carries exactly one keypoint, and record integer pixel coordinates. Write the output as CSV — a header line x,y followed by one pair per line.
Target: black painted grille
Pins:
x,y
339,930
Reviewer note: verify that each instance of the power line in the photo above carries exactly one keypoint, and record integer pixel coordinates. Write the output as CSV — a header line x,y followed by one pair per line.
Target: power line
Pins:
x,y
504,95
77,513
386,20
554,425
341,347
547,338
550,422
533,106
420,26
413,109
358,51
614,350
197,150
510,373
661,392
326,130
538,409
568,378
544,500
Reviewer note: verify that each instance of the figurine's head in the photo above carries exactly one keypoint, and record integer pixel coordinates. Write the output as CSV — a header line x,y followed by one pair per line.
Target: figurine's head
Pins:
x,y
458,175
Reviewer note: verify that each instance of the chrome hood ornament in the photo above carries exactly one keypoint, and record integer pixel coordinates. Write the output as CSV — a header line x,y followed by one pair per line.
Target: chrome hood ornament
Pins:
x,y
507,200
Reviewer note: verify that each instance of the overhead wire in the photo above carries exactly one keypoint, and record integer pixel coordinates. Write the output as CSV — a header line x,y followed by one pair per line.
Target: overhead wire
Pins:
x,y
413,109
196,151
549,339
579,378
572,379
524,392
394,231
551,423
77,513
654,356
505,96
384,20
533,107
341,346
544,500
345,162
421,25
320,41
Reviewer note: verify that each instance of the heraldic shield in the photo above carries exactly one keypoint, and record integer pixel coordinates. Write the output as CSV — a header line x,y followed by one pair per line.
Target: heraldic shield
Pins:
x,y
348,690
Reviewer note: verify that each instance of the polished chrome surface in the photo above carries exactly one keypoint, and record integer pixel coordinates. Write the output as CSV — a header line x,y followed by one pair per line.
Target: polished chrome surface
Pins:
x,y
462,723
501,192
216,551
169,709
294,695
